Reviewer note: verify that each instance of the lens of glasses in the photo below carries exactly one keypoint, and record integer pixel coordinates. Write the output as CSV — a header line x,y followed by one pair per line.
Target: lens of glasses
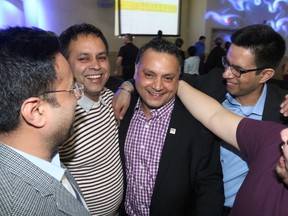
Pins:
x,y
78,90
227,65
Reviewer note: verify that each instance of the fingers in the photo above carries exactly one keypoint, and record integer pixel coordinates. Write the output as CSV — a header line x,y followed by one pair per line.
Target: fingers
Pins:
x,y
120,103
284,106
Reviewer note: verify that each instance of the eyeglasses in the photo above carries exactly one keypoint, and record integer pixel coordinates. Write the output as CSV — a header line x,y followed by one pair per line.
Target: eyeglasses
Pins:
x,y
77,90
235,70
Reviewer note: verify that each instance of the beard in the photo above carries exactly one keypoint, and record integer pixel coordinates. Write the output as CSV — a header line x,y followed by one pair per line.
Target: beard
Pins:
x,y
62,136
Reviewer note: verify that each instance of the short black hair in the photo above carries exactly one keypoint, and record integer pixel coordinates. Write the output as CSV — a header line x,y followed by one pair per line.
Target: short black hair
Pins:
x,y
163,46
27,69
202,37
72,33
264,42
179,42
192,50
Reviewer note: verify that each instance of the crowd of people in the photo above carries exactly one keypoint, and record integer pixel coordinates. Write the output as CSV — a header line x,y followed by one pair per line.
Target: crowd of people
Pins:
x,y
69,145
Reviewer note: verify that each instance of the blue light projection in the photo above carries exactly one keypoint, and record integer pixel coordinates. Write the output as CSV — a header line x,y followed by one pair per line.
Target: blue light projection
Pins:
x,y
273,12
10,15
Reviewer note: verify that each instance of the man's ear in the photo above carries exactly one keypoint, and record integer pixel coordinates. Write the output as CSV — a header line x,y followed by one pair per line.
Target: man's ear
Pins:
x,y
32,111
267,74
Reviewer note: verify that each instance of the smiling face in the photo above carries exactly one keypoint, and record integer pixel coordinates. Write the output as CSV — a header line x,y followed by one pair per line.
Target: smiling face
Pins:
x,y
88,59
248,87
282,165
157,77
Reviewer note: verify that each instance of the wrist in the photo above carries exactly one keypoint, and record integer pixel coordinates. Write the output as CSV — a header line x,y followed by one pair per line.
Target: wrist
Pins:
x,y
125,89
127,86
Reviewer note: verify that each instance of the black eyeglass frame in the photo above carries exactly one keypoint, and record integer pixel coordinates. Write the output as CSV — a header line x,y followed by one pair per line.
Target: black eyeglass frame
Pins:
x,y
241,71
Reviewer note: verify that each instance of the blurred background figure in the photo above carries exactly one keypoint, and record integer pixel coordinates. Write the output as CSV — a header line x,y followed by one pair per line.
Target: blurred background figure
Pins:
x,y
200,46
159,34
214,59
191,64
126,58
201,64
227,45
179,42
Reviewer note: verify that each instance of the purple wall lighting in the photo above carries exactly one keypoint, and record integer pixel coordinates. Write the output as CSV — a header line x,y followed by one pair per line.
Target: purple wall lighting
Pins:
x,y
11,14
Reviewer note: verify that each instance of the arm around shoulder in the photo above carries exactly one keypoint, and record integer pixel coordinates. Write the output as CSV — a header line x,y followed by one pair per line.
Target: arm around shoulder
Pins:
x,y
210,113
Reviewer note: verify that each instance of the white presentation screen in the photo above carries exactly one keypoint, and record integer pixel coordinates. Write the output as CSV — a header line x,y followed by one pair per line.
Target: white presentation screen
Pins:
x,y
146,17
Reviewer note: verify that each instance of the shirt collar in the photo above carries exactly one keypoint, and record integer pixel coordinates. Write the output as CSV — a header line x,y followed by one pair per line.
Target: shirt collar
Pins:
x,y
160,112
87,104
248,110
53,168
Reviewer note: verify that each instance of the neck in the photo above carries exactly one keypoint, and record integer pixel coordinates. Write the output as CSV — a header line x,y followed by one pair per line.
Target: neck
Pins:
x,y
251,99
28,145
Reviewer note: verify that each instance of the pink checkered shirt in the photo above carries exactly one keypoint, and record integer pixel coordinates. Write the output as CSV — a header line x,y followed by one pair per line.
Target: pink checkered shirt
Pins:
x,y
143,148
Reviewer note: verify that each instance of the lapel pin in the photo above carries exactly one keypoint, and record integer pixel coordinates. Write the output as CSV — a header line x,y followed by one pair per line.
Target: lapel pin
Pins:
x,y
172,131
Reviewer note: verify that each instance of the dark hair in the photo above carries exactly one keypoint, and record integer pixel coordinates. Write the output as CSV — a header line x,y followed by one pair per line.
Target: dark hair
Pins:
x,y
202,37
130,37
218,41
266,44
179,42
192,50
163,46
159,33
76,30
27,69
227,45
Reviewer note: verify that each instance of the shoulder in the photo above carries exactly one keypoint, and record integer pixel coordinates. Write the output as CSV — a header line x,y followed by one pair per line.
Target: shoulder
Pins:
x,y
254,132
273,88
275,95
107,94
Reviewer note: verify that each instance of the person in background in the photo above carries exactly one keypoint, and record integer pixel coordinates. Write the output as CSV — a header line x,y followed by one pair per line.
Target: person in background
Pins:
x,y
92,151
202,64
38,98
171,165
264,144
255,53
126,58
200,46
179,43
227,44
159,34
191,64
214,58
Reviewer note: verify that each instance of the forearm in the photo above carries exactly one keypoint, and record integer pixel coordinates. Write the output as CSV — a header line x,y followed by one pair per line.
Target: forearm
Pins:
x,y
210,113
121,100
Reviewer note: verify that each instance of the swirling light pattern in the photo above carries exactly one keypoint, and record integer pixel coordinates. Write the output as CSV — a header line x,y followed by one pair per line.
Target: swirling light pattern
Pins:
x,y
275,12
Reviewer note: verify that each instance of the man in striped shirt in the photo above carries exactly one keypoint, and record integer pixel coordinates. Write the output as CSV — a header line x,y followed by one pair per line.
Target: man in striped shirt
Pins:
x,y
92,152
